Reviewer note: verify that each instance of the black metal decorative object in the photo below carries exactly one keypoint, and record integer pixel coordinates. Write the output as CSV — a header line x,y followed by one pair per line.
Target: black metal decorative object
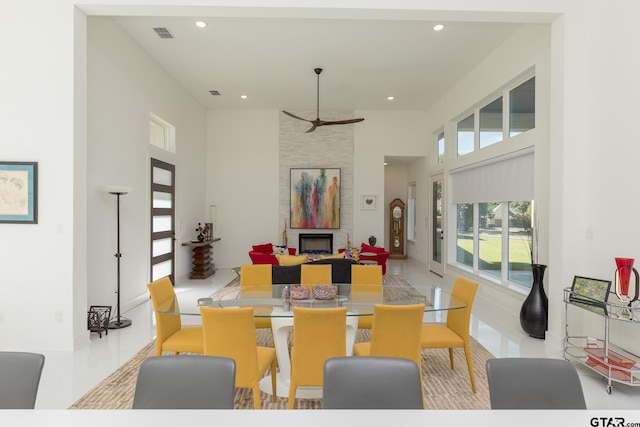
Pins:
x,y
535,309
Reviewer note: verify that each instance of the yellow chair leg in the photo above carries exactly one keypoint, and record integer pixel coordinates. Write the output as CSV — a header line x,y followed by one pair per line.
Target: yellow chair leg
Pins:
x,y
292,396
256,396
451,357
467,354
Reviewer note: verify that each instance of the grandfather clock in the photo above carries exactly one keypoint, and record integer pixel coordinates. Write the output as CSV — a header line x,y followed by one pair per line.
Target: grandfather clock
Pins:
x,y
396,229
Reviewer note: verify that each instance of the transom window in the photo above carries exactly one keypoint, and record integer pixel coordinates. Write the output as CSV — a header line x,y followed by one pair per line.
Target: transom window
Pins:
x,y
490,127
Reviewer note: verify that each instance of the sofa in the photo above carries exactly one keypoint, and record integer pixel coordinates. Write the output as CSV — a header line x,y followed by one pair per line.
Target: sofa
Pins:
x,y
264,254
290,274
381,255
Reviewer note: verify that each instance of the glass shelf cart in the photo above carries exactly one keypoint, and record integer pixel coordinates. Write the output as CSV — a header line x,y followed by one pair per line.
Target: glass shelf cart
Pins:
x,y
599,354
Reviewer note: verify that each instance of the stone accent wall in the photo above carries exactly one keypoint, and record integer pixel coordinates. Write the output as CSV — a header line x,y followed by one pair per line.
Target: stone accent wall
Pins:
x,y
328,147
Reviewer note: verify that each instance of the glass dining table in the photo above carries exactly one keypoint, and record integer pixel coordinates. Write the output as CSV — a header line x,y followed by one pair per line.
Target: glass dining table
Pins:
x,y
268,302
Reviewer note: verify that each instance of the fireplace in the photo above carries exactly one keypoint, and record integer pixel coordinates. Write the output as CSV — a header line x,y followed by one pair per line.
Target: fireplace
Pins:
x,y
315,243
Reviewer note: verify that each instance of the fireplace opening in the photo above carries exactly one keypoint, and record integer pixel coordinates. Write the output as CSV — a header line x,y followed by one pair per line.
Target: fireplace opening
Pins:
x,y
316,243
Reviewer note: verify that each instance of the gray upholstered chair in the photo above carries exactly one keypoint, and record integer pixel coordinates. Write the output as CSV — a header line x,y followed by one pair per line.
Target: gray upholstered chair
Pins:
x,y
185,382
20,374
534,383
371,382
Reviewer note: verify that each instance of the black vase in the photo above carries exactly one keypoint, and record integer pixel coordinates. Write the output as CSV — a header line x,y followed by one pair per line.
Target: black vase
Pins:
x,y
534,311
372,240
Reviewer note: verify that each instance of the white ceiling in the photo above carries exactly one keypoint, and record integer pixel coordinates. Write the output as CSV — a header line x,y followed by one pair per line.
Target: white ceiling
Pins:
x,y
271,60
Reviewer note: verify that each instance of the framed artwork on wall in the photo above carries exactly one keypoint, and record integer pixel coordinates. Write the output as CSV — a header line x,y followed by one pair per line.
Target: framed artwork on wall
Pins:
x,y
315,198
369,201
19,192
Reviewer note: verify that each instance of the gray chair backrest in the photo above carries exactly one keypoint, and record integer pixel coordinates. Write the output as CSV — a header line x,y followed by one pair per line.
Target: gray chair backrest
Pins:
x,y
534,383
370,382
19,379
185,382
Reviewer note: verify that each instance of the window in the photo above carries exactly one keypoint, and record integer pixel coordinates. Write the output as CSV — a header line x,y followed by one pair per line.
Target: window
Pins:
x,y
491,236
162,134
441,148
522,108
464,234
489,129
520,242
491,123
466,135
500,225
411,213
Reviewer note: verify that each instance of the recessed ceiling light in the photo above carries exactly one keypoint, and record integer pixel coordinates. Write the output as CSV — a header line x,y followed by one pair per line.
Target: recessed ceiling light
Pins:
x,y
391,98
243,96
438,27
201,24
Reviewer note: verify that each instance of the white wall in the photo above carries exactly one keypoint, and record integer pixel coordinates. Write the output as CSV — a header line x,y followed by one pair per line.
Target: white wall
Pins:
x,y
124,86
528,48
242,181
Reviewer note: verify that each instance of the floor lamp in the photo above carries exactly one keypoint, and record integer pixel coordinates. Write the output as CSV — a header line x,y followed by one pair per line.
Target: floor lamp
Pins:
x,y
118,322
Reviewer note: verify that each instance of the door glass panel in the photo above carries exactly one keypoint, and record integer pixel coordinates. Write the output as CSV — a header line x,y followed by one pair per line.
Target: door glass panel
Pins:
x,y
437,223
491,123
162,269
162,176
161,199
520,242
162,223
465,136
162,246
464,237
522,107
490,238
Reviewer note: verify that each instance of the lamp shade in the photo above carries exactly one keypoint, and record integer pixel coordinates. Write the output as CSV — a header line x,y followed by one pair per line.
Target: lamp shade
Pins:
x,y
116,189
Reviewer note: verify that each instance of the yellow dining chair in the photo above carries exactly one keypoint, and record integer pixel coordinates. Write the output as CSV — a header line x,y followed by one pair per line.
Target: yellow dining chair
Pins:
x,y
366,286
231,332
259,278
395,332
256,275
455,333
318,334
170,335
315,274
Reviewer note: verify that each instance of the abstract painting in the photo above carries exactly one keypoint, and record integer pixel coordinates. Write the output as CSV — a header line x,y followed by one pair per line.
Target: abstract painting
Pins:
x,y
315,198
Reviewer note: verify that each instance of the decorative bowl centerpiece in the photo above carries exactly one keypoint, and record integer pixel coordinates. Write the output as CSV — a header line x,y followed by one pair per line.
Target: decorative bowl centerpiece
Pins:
x,y
324,291
299,292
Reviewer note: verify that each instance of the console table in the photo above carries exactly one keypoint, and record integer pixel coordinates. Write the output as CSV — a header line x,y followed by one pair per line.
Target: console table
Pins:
x,y
203,265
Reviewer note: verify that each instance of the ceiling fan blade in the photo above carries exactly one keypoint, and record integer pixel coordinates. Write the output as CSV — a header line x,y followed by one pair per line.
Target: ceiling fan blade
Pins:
x,y
295,117
339,122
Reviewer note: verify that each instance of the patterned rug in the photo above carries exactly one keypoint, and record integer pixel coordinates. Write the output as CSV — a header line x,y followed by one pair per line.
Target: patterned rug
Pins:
x,y
444,388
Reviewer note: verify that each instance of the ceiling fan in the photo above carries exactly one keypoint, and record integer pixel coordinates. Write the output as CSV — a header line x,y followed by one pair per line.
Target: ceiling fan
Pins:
x,y
317,122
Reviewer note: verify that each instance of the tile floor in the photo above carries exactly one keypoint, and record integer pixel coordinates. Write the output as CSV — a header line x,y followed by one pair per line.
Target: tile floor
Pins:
x,y
68,375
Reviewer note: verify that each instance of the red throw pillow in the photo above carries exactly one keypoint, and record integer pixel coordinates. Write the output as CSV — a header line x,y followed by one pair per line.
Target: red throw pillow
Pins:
x,y
368,248
267,248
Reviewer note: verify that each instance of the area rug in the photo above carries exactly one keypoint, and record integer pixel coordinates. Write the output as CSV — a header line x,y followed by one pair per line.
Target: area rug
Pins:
x,y
444,388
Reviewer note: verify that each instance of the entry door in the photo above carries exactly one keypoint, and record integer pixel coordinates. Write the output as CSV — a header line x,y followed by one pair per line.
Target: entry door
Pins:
x,y
436,263
163,211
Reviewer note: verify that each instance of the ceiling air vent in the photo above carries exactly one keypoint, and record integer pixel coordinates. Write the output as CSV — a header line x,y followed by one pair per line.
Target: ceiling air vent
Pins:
x,y
163,33
214,92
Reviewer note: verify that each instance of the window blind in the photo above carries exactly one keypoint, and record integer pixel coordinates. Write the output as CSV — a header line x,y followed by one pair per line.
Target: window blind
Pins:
x,y
498,180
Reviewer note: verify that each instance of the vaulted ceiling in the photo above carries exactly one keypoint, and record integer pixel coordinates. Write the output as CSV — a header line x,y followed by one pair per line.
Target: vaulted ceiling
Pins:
x,y
271,60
